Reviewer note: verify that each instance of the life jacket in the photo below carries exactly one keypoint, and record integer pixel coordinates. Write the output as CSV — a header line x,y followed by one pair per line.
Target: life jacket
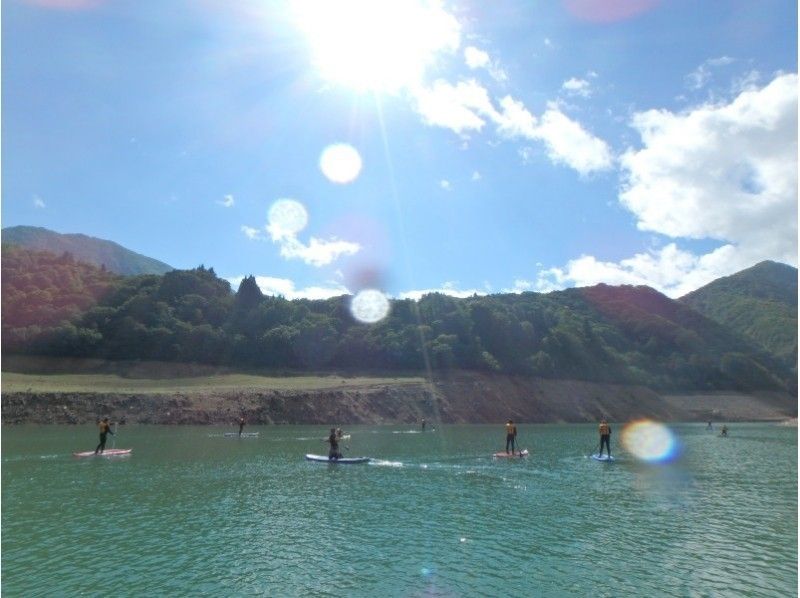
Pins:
x,y
104,427
511,429
605,430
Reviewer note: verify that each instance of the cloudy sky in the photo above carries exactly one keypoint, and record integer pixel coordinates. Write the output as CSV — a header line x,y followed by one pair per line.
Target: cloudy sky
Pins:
x,y
408,146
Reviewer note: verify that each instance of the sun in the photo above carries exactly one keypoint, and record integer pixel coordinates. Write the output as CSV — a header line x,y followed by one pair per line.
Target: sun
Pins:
x,y
375,45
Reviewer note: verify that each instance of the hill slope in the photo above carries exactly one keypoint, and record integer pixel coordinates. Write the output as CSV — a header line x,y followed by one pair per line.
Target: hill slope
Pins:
x,y
617,335
759,303
91,250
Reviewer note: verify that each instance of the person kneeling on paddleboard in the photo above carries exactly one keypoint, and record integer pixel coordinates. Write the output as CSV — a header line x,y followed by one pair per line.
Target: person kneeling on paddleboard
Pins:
x,y
105,429
511,436
333,453
605,437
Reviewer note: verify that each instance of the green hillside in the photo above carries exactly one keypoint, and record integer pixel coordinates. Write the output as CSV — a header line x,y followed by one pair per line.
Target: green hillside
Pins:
x,y
85,249
629,335
759,303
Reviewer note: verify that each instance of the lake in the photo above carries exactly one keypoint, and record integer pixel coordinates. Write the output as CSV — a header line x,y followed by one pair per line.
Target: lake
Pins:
x,y
191,512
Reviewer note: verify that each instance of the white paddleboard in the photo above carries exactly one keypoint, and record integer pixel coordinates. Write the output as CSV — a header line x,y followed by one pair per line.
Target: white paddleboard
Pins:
x,y
243,435
106,453
598,457
342,460
515,455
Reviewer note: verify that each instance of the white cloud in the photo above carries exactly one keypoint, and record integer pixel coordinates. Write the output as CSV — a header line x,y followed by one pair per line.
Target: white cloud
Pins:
x,y
467,107
569,143
445,184
318,252
286,288
251,233
476,58
448,288
579,87
726,172
38,202
456,107
721,171
669,270
476,176
227,201
527,154
520,286
698,78
515,120
748,80
287,218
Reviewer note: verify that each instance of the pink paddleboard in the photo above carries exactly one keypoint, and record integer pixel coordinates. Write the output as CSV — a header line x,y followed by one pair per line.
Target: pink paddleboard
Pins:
x,y
516,455
105,453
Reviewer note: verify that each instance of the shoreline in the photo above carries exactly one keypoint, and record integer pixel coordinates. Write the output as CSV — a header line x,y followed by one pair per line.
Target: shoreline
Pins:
x,y
459,398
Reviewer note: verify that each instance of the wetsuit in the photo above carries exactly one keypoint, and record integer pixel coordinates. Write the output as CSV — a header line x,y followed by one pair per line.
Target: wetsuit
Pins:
x,y
605,438
333,453
511,437
241,426
105,428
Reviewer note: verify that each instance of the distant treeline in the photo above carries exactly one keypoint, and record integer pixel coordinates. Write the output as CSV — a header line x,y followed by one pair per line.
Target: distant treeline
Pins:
x,y
57,306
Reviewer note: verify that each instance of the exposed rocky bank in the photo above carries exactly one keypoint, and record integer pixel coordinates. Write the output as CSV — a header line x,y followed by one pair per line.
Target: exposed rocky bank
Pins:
x,y
460,398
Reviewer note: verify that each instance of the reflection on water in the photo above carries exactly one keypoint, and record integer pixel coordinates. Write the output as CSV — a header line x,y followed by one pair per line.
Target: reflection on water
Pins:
x,y
194,512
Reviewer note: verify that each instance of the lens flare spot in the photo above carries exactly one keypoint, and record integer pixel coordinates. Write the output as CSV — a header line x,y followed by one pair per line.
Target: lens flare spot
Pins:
x,y
340,163
287,217
649,441
369,306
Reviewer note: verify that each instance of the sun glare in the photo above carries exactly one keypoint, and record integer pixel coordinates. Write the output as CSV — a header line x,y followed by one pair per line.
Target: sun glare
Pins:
x,y
286,217
370,306
340,163
376,45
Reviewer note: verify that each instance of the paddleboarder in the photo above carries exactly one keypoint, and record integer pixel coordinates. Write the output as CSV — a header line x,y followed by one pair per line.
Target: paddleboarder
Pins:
x,y
605,437
724,431
511,436
105,429
423,424
333,439
241,425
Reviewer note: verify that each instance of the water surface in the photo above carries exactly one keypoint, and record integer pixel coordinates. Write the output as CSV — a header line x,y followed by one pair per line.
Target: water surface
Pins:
x,y
191,512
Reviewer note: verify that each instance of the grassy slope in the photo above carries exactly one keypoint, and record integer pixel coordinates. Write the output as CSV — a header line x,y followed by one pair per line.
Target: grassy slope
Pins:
x,y
110,383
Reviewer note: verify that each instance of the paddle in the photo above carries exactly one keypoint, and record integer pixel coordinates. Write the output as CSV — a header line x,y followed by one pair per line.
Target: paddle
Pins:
x,y
114,441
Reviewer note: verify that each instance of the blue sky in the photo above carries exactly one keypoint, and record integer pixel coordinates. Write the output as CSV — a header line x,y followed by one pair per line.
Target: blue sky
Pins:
x,y
474,147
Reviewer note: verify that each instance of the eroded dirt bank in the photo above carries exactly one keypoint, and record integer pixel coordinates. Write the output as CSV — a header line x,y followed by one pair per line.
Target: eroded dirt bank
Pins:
x,y
461,398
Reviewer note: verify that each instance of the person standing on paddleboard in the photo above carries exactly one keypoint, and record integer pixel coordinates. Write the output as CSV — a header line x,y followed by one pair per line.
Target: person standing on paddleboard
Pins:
x,y
105,429
605,437
423,424
241,425
333,439
511,436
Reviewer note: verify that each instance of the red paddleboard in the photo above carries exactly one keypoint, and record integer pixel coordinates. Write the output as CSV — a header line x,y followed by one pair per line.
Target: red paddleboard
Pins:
x,y
105,453
516,455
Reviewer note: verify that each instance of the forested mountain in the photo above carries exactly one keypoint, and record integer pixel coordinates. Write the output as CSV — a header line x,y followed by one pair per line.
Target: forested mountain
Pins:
x,y
607,334
759,303
85,249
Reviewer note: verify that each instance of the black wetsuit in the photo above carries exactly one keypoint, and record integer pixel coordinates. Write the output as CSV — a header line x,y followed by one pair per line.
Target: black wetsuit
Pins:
x,y
605,440
241,427
334,452
511,437
105,429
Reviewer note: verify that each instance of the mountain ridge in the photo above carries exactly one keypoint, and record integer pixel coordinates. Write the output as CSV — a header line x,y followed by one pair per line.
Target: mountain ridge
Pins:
x,y
92,250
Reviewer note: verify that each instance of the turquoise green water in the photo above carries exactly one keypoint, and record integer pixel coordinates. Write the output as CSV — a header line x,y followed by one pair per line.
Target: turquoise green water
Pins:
x,y
194,513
